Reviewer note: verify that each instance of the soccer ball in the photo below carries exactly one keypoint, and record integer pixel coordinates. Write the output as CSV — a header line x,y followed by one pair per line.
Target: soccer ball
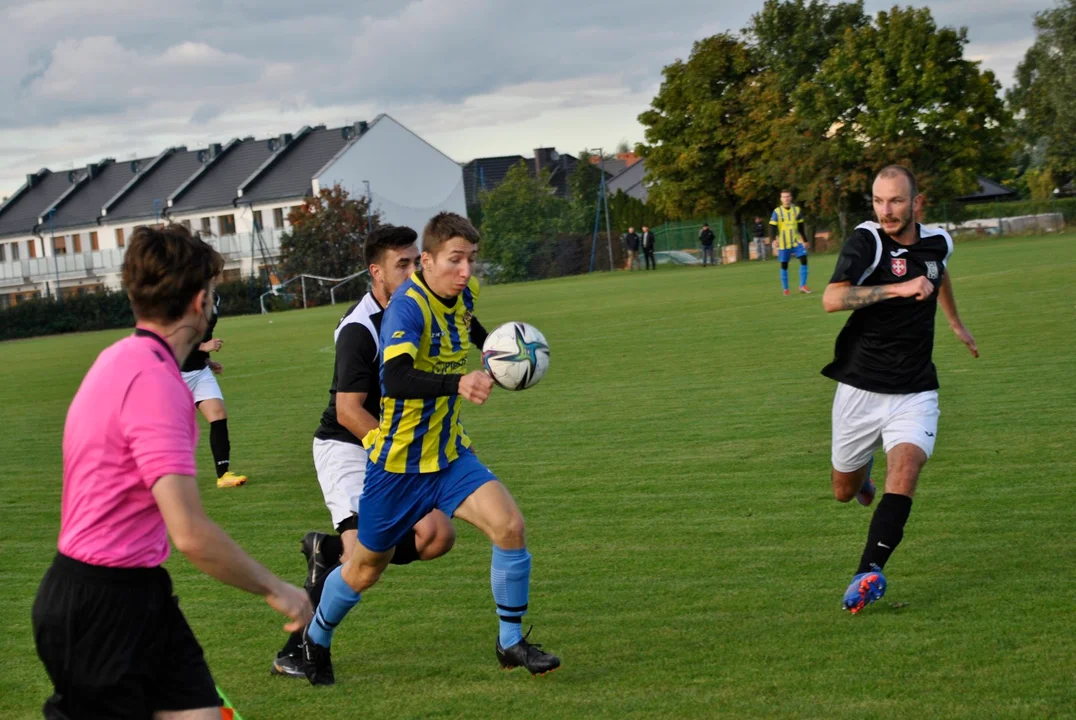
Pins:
x,y
516,356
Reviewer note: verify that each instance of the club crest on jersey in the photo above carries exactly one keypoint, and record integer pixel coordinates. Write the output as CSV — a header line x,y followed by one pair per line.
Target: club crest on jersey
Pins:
x,y
899,266
932,270
467,317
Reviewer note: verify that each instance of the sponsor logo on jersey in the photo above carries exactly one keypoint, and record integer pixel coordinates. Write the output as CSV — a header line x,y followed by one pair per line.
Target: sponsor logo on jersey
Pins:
x,y
899,266
932,270
398,334
898,253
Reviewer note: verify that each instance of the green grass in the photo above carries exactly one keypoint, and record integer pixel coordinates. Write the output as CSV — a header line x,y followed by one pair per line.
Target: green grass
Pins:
x,y
673,469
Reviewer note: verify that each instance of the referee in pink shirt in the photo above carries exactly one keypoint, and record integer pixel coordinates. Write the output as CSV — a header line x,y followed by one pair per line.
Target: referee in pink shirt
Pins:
x,y
106,624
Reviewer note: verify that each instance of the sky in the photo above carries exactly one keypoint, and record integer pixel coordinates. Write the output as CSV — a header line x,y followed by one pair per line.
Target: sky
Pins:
x,y
86,79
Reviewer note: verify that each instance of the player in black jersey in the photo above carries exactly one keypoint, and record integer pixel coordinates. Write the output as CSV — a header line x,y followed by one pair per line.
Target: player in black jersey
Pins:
x,y
354,410
892,275
198,372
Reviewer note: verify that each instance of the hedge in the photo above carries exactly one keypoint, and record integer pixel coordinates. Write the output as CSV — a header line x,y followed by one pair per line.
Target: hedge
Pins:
x,y
107,310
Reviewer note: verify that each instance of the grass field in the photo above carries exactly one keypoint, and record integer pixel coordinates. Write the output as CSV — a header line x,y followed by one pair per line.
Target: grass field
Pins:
x,y
689,559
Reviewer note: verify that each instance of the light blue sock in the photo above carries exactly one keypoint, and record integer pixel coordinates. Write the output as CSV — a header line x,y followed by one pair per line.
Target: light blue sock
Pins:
x,y
336,599
510,577
784,278
870,466
803,275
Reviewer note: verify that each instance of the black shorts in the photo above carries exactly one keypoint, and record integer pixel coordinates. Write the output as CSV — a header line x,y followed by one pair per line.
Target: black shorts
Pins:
x,y
115,643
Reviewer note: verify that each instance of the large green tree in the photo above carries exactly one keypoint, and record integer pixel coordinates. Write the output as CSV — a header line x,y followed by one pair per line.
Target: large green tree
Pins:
x,y
520,216
1044,97
583,195
692,128
326,235
899,91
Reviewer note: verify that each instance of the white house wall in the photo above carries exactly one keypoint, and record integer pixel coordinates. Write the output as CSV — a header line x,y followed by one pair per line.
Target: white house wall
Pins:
x,y
410,180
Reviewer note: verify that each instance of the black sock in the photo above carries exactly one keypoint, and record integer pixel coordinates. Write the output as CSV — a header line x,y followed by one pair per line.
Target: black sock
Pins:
x,y
332,548
219,444
886,531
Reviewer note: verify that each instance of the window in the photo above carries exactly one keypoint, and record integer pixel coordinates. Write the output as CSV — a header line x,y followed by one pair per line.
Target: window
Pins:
x,y
59,245
226,224
278,218
76,241
93,241
257,219
32,247
207,226
14,251
119,237
3,253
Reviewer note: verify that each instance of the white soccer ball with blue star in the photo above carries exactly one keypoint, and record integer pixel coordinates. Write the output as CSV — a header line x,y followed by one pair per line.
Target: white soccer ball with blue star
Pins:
x,y
516,355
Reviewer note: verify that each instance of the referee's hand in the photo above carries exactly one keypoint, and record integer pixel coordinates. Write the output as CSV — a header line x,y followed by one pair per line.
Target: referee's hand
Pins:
x,y
291,601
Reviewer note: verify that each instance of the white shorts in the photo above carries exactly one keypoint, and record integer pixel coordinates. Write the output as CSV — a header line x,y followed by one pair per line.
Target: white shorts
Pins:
x,y
341,468
863,421
203,385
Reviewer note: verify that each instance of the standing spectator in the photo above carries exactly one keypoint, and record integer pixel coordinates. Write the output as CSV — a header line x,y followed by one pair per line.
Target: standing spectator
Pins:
x,y
706,238
759,234
648,249
631,245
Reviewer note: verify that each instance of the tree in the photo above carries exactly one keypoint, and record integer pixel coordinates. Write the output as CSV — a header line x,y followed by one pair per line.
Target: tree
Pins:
x,y
326,235
897,91
692,127
519,215
583,195
1044,94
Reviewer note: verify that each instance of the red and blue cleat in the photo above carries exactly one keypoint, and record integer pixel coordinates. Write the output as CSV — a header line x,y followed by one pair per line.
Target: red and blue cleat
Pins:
x,y
866,587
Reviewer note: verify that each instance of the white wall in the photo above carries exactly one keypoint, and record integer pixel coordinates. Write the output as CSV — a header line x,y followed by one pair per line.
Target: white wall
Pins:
x,y
410,180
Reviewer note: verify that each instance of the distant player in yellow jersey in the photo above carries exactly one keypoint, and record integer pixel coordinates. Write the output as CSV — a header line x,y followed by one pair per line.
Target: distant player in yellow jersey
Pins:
x,y
420,457
786,232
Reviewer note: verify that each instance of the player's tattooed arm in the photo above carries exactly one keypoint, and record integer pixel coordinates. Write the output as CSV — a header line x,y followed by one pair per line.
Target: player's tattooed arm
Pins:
x,y
844,296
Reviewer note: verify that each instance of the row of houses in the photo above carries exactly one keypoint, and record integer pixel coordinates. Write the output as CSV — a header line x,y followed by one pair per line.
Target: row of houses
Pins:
x,y
65,232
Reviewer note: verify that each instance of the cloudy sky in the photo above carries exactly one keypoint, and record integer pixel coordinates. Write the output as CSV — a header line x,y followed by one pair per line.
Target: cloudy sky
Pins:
x,y
85,79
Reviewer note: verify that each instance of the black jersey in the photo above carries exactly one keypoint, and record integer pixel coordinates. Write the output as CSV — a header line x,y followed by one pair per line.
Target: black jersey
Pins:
x,y
887,347
197,358
357,366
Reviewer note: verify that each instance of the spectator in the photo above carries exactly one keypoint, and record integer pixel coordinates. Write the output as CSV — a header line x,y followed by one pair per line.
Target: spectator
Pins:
x,y
648,249
706,238
759,234
631,246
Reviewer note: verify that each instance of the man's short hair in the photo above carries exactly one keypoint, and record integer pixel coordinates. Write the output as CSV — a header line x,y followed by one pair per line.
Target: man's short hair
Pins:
x,y
891,171
164,268
386,237
786,191
444,226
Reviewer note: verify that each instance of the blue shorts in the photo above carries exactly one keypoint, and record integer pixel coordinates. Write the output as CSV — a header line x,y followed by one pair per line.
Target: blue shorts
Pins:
x,y
798,251
391,503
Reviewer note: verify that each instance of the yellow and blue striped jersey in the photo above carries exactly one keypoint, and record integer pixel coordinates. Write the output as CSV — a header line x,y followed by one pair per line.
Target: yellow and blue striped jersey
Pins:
x,y
787,222
423,435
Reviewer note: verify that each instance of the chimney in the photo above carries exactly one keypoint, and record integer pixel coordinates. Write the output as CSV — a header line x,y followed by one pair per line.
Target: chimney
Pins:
x,y
214,150
31,180
537,161
285,139
361,127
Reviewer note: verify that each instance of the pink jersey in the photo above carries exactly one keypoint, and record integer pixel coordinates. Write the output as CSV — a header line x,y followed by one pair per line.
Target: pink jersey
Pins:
x,y
131,423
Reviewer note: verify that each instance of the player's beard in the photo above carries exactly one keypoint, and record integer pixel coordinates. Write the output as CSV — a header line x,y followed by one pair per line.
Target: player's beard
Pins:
x,y
904,223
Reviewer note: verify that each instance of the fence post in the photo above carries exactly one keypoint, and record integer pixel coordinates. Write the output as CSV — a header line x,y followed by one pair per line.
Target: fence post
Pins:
x,y
302,279
997,214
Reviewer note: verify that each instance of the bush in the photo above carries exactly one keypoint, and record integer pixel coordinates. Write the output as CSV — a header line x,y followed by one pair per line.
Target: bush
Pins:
x,y
108,310
46,316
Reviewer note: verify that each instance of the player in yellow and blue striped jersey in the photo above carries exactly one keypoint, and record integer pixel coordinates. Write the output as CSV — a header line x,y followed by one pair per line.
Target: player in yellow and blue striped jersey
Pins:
x,y
421,458
786,232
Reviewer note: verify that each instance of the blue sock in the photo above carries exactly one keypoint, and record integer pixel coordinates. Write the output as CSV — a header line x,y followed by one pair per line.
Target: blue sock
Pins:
x,y
803,275
870,466
510,576
784,278
336,599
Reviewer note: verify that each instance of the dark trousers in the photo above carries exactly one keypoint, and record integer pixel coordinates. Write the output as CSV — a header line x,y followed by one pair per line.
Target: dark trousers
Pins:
x,y
707,251
648,257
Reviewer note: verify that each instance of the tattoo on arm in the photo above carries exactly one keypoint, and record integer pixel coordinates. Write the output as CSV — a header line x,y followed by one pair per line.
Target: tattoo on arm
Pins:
x,y
859,297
